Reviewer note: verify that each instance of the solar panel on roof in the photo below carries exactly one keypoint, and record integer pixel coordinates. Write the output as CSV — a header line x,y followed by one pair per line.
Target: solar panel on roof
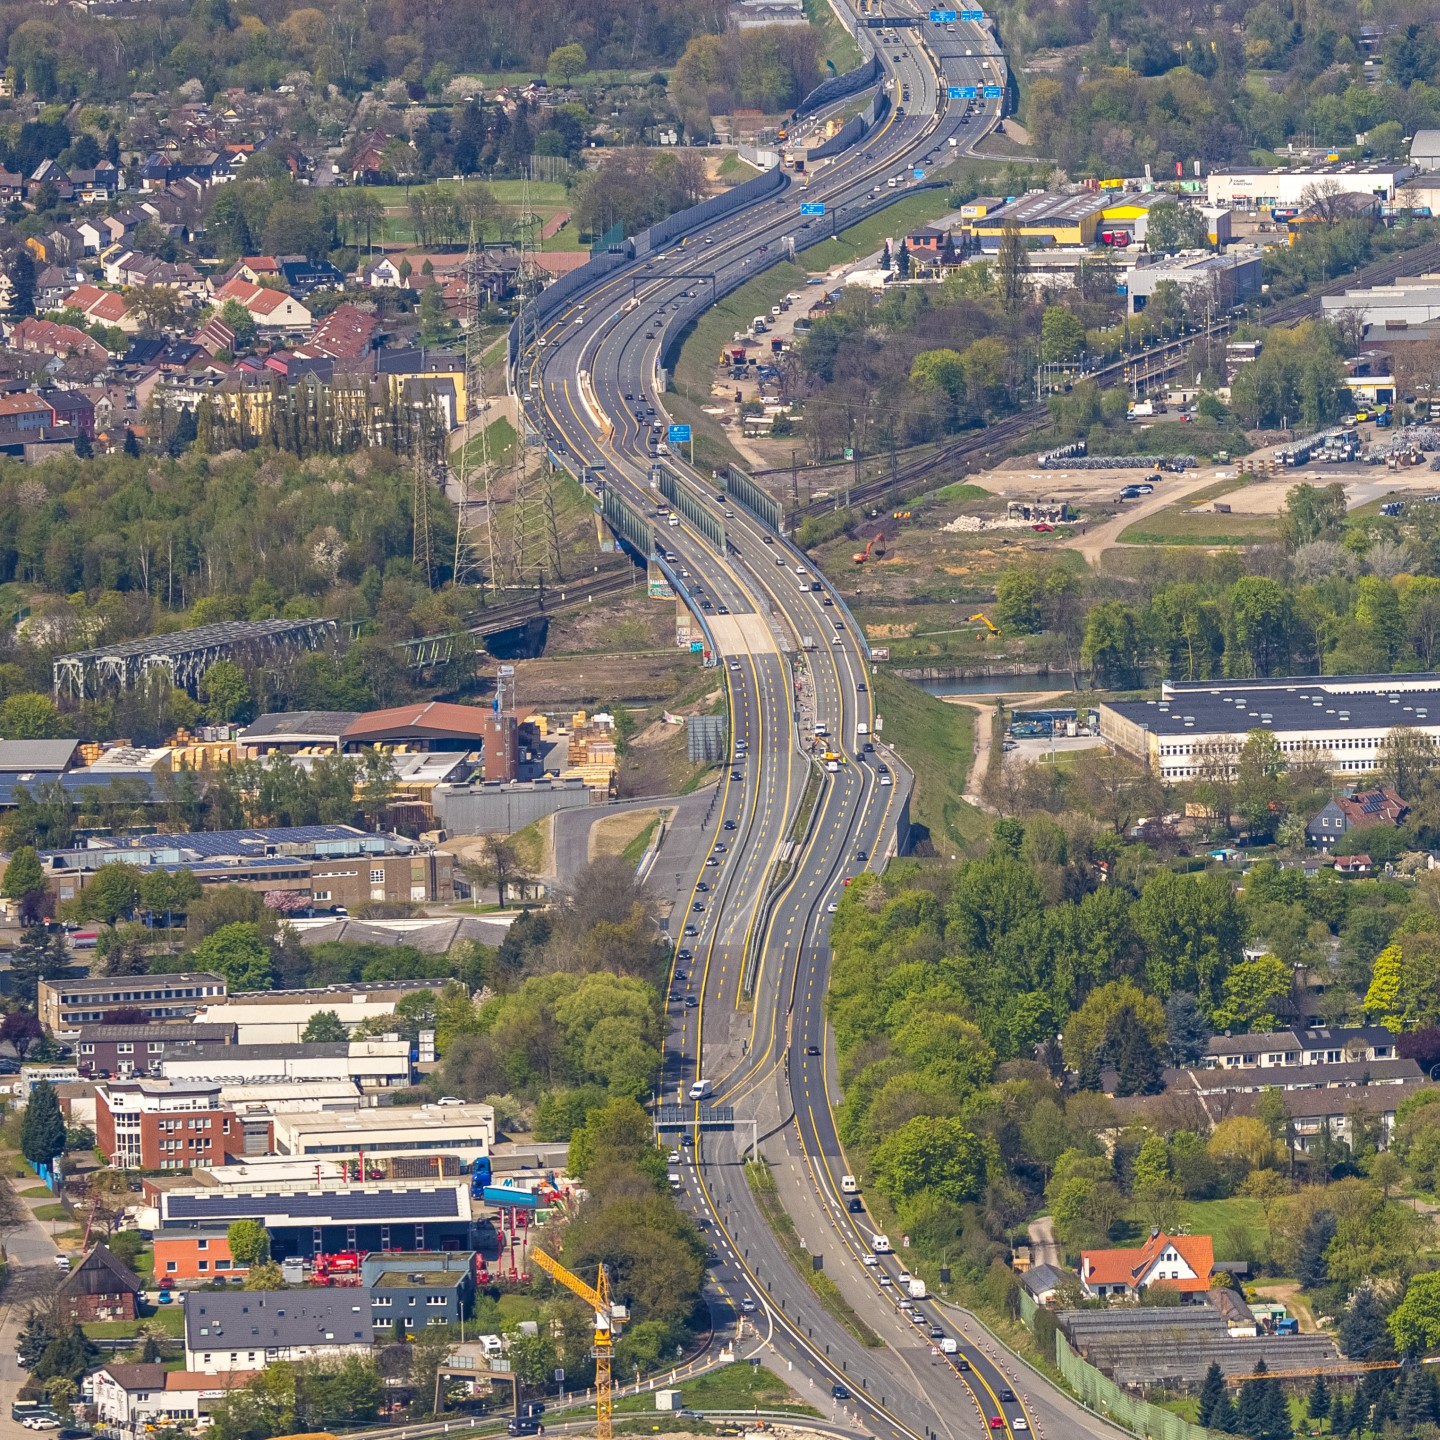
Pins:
x,y
358,1205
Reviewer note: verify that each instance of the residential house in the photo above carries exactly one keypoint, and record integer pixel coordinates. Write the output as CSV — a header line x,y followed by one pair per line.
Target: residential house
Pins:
x,y
12,186
248,1329
33,336
1322,1045
103,307
347,333
1043,1283
72,408
97,186
132,1399
254,268
1354,865
47,172
367,164
53,283
23,417
1360,810
100,1287
91,234
1182,1262
1209,1084
270,309
928,241
304,277
382,273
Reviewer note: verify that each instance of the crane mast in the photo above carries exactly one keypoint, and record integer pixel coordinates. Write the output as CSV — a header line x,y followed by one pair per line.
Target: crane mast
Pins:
x,y
597,1296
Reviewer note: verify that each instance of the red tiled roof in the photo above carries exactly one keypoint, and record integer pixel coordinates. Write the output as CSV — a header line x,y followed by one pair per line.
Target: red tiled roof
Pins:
x,y
1373,807
1127,1267
344,334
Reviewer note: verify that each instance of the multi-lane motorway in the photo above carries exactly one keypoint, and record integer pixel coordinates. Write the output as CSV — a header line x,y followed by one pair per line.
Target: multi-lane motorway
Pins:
x,y
790,827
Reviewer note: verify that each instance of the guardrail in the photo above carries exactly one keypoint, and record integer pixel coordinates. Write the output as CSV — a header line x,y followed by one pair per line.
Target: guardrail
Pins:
x,y
662,232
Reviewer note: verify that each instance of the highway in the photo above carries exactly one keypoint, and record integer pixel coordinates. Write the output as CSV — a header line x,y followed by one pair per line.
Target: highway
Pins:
x,y
810,798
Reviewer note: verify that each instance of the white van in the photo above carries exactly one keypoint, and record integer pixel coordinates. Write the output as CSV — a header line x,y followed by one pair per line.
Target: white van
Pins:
x,y
849,1185
862,728
880,1244
700,1089
674,1179
948,1346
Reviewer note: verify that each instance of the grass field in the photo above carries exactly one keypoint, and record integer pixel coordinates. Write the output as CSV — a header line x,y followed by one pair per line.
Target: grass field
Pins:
x,y
735,1387
1181,526
837,47
734,169
936,741
529,843
169,1318
503,441
547,198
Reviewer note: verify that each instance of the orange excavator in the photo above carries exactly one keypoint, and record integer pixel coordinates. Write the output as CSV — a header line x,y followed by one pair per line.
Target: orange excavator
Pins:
x,y
876,543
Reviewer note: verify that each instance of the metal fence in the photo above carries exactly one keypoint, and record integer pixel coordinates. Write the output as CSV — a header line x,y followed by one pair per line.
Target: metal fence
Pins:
x,y
1108,1399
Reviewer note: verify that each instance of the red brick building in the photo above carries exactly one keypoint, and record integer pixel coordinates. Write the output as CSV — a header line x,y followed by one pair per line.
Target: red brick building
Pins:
x,y
165,1124
99,1288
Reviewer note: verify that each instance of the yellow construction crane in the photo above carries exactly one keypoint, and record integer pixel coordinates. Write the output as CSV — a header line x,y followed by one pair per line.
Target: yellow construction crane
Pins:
x,y
597,1296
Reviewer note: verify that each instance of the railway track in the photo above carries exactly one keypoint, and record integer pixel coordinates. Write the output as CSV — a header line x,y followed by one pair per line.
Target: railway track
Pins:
x,y
978,445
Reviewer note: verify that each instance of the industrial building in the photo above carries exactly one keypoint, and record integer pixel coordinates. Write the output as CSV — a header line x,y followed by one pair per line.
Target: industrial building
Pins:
x,y
125,1050
330,865
1233,278
466,1132
1058,219
69,1004
165,1124
1401,305
312,1214
370,1064
1282,189
1342,720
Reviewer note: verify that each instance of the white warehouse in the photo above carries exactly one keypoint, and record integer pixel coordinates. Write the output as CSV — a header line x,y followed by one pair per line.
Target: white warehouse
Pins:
x,y
1344,719
1252,188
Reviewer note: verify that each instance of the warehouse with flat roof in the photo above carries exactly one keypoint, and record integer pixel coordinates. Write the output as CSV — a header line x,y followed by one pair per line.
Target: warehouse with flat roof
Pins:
x,y
1060,219
465,1131
1341,720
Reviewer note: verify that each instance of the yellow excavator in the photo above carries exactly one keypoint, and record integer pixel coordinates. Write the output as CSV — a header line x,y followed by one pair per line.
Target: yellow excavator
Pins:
x,y
597,1296
985,620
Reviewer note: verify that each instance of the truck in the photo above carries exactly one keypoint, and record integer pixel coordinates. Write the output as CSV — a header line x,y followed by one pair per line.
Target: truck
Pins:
x,y
807,642
917,1289
1142,408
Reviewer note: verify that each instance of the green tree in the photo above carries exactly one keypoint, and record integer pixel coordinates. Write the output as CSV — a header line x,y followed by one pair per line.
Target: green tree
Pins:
x,y
618,1132
324,1026
239,953
42,1130
1212,1392
241,323
113,893
265,1275
249,1242
1317,1403
1170,227
932,1155
1415,1322
1062,336
1251,992
24,883
566,62
169,892
30,716
226,692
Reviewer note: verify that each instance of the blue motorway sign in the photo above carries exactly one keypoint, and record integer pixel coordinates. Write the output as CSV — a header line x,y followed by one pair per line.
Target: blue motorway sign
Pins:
x,y
964,92
678,434
975,16
919,173
993,92
944,17
812,207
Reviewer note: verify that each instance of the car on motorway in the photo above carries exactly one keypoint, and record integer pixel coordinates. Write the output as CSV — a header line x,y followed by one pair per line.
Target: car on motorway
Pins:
x,y
936,1333
712,862
870,1261
684,953
885,780
812,1049
691,930
856,1206
884,1279
839,1392
869,748
997,1422
691,1002
861,687
674,1157
1007,1394
687,1140
702,887
736,775
728,825
698,907
827,601
721,847
862,854
830,908
1019,1423
676,998
747,1306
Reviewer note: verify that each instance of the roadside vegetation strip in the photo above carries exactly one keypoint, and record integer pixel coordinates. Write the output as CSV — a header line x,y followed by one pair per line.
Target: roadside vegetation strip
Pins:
x,y
762,1186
